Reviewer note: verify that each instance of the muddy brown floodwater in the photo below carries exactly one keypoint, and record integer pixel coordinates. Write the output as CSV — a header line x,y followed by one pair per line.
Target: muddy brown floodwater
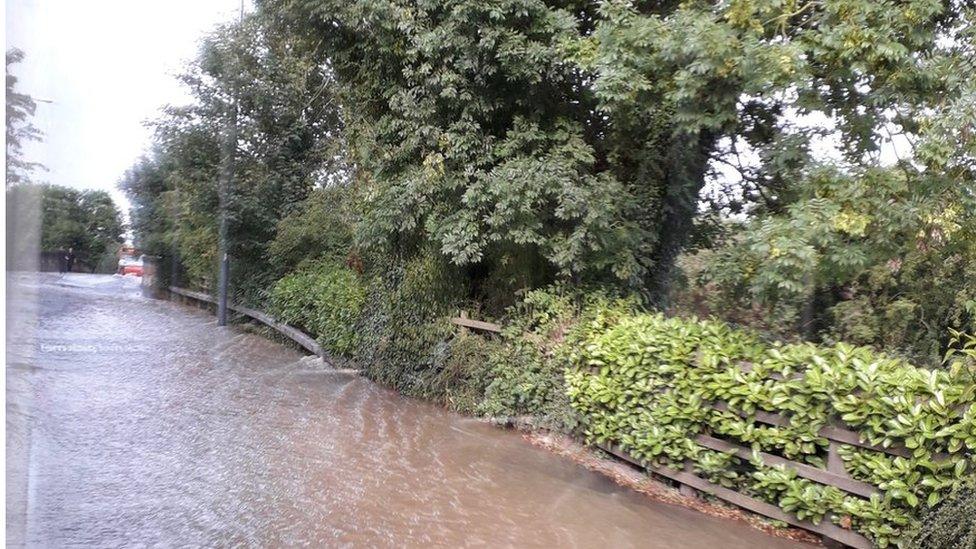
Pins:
x,y
135,422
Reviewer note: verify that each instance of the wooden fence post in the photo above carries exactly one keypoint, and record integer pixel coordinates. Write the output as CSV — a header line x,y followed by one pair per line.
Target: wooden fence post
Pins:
x,y
686,490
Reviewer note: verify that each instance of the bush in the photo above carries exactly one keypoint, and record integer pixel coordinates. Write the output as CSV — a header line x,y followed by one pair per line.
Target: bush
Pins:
x,y
465,372
870,258
404,330
645,382
527,368
320,228
951,524
324,299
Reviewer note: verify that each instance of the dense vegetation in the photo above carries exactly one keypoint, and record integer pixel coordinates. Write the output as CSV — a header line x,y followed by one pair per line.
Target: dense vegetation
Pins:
x,y
803,170
89,222
646,383
806,170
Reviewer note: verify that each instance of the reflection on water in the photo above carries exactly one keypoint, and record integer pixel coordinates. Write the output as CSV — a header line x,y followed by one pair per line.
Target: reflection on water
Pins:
x,y
140,422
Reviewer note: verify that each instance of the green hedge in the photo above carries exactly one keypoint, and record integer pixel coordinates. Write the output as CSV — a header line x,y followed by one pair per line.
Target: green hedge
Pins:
x,y
325,299
951,524
646,382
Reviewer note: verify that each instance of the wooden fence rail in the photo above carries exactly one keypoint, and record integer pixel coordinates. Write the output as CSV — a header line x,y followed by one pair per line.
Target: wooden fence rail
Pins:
x,y
687,478
306,341
836,434
464,322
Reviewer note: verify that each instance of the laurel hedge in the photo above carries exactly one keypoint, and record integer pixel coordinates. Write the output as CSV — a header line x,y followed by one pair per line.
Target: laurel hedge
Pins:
x,y
647,383
325,299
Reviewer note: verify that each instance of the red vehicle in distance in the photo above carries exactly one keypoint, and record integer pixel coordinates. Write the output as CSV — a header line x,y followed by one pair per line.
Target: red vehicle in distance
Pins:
x,y
130,262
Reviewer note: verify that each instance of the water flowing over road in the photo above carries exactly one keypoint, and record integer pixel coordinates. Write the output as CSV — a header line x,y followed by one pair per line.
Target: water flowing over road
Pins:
x,y
132,421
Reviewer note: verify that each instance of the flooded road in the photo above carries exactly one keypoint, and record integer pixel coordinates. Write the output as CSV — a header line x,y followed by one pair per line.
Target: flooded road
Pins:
x,y
139,422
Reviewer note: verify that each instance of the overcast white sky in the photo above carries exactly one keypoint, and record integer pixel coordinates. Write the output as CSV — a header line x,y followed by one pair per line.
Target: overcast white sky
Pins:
x,y
108,66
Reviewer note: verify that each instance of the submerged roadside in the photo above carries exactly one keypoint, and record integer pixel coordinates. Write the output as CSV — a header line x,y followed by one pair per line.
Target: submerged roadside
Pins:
x,y
150,425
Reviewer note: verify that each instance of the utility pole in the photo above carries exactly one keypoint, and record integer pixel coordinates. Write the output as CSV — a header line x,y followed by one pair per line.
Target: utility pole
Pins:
x,y
228,147
225,180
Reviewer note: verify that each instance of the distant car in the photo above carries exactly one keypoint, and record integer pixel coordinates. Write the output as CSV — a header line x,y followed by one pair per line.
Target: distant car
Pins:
x,y
130,265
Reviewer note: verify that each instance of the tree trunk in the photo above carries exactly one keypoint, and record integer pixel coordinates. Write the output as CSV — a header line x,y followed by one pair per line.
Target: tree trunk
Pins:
x,y
687,163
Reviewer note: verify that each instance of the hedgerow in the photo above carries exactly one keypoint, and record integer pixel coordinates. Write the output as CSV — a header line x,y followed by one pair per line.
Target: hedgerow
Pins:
x,y
647,383
324,298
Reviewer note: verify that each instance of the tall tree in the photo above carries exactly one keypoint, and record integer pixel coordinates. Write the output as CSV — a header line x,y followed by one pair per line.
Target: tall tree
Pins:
x,y
286,143
20,110
476,137
585,133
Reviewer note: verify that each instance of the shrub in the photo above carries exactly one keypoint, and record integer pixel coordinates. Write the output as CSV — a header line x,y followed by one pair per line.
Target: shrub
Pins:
x,y
526,371
321,227
404,328
951,524
872,258
325,299
646,383
465,372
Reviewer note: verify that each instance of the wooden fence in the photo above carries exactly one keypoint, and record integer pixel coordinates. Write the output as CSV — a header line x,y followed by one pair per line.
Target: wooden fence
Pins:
x,y
464,322
835,473
306,341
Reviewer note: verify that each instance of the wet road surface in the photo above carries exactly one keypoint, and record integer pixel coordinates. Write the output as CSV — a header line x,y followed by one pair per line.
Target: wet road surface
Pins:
x,y
135,422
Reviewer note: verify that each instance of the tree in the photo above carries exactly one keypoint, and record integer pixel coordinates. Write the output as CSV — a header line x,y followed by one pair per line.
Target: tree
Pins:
x,y
287,143
20,109
737,75
87,221
868,253
528,142
474,136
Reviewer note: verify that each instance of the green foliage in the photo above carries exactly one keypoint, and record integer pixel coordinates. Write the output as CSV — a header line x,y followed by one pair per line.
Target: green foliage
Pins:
x,y
527,369
403,329
321,226
20,109
525,379
466,371
528,142
885,258
87,221
647,382
478,138
324,299
951,524
146,185
287,143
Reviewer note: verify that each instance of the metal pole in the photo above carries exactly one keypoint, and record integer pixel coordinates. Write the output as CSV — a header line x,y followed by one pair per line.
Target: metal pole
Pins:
x,y
226,177
228,150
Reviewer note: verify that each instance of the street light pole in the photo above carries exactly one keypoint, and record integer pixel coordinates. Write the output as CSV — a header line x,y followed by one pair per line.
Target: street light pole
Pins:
x,y
228,151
